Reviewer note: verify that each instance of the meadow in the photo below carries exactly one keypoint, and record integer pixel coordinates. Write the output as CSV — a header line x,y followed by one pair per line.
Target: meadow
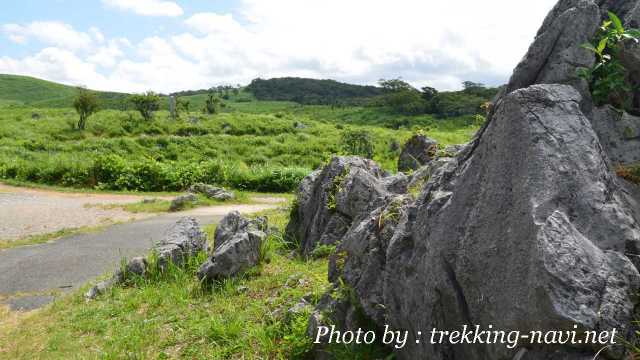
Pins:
x,y
251,145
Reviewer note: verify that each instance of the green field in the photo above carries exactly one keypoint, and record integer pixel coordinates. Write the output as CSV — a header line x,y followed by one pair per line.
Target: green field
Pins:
x,y
252,145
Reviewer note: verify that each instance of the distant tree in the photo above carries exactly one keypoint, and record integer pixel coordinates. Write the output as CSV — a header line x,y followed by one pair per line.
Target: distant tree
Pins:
x,y
146,104
429,93
85,104
358,142
213,104
395,85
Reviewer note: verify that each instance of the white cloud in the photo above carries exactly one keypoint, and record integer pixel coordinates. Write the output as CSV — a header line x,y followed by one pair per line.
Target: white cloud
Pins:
x,y
147,7
50,33
437,44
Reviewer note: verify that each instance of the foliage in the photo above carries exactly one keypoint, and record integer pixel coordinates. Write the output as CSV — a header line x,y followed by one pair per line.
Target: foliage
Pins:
x,y
629,173
401,98
358,142
310,91
146,104
608,77
86,104
213,104
322,251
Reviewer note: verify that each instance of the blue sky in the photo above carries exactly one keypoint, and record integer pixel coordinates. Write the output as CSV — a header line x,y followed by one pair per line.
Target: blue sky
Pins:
x,y
137,45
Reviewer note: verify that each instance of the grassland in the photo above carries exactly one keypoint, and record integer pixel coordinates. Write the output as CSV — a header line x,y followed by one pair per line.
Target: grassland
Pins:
x,y
172,316
258,146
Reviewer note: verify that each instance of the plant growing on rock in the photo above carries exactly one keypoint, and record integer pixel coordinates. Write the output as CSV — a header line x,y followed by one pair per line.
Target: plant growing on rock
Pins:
x,y
146,104
608,77
86,104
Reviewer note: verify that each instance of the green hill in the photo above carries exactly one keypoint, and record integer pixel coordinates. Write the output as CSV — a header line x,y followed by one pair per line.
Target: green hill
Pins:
x,y
25,90
311,91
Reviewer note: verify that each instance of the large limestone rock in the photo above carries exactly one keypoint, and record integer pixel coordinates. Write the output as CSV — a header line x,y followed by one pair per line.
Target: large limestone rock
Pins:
x,y
237,247
331,200
418,151
528,232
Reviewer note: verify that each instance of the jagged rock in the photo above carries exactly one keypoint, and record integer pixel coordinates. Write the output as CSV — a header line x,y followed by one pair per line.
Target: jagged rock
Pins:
x,y
418,151
329,201
212,192
180,202
529,232
237,247
183,240
619,134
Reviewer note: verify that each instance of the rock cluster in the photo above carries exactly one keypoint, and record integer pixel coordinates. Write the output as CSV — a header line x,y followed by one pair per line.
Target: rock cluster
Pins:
x,y
237,247
183,240
182,201
527,228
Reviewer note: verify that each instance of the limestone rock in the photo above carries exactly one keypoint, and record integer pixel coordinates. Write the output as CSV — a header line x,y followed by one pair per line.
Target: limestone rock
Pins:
x,y
417,152
237,247
529,233
181,202
329,201
212,192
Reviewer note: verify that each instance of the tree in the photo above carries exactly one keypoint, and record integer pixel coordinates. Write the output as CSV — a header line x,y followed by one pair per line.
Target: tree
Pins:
x,y
85,104
429,93
395,85
213,104
146,104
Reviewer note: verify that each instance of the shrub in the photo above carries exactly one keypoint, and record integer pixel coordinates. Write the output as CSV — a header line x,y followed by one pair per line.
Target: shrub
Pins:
x,y
358,142
608,77
146,104
85,104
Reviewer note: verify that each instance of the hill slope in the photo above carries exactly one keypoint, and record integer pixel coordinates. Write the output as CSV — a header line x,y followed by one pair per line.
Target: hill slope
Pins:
x,y
310,91
25,90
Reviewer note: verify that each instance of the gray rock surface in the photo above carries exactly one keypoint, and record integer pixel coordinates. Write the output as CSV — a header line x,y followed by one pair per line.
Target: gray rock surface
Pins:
x,y
183,240
528,232
212,192
181,202
526,228
418,151
237,247
331,200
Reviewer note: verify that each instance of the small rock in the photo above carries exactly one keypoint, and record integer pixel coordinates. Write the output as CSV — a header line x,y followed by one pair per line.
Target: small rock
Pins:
x,y
211,192
242,289
181,202
417,152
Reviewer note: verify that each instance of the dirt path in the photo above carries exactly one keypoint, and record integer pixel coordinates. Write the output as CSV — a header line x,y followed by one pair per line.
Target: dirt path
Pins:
x,y
32,276
26,212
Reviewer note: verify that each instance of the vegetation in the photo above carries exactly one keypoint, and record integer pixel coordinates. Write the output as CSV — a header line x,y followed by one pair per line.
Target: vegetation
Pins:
x,y
213,104
146,104
608,78
170,315
358,142
311,91
27,91
86,104
402,98
629,173
247,150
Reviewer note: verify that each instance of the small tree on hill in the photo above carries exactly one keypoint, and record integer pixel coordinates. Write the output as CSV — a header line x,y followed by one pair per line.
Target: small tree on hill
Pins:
x,y
85,104
213,104
146,104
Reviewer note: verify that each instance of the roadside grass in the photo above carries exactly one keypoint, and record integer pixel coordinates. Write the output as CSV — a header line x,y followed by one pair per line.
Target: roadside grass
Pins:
x,y
172,315
45,238
155,205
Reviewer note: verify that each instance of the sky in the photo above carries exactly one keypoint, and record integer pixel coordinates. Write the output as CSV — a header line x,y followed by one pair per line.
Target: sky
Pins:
x,y
167,46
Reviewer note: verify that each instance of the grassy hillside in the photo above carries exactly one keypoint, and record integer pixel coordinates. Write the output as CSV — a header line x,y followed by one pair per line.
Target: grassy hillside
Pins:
x,y
24,90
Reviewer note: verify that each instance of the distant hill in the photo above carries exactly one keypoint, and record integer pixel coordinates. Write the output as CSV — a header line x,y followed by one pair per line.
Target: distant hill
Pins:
x,y
25,90
310,91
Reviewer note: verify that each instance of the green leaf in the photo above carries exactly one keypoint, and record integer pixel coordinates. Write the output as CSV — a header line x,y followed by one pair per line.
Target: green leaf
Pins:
x,y
616,21
589,47
602,45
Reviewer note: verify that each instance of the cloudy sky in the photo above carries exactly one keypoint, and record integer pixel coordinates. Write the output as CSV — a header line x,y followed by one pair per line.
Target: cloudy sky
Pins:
x,y
138,45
